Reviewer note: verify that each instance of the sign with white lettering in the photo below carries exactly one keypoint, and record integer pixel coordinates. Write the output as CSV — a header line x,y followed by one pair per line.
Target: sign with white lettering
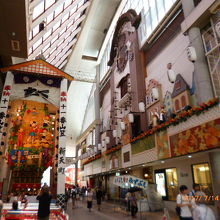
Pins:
x,y
127,181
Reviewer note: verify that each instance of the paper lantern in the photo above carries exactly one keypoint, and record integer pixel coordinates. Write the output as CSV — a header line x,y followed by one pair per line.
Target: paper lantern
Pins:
x,y
141,106
114,133
107,140
122,125
91,151
155,93
131,118
217,29
191,54
171,75
99,146
103,143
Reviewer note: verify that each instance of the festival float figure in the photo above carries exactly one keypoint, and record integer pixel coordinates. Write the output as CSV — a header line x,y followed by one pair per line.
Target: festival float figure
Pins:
x,y
33,132
20,137
162,115
155,117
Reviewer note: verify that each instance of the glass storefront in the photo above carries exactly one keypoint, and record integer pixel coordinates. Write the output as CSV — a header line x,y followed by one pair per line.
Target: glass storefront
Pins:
x,y
202,176
167,183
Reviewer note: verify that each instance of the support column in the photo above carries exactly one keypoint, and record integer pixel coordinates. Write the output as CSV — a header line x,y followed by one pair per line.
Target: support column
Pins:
x,y
62,145
204,91
5,98
76,164
215,170
97,106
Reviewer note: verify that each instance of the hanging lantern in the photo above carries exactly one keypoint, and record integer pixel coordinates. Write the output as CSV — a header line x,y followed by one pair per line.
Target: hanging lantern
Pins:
x,y
114,133
155,93
99,146
131,118
107,140
95,149
171,75
191,54
122,125
103,143
141,106
91,151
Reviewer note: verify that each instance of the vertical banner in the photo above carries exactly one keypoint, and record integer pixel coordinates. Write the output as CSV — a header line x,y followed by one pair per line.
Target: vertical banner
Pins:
x,y
5,101
62,145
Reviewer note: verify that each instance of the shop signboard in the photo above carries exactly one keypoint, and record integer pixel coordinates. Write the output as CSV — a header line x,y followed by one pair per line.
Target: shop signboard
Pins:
x,y
127,181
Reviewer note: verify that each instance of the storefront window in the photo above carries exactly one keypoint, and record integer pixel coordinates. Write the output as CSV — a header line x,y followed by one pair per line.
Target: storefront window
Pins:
x,y
172,183
167,183
202,176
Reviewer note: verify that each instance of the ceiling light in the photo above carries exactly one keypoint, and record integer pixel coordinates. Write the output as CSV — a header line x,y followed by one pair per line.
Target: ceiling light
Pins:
x,y
190,156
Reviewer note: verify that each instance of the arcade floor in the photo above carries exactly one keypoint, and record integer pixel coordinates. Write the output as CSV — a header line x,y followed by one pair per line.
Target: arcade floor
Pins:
x,y
108,212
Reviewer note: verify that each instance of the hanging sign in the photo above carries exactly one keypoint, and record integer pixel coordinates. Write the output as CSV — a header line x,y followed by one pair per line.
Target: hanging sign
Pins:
x,y
127,181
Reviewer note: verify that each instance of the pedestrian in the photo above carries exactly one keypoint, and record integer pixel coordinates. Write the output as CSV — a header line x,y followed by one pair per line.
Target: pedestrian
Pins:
x,y
202,211
73,196
127,198
99,197
196,191
1,206
133,204
89,199
184,204
12,197
44,198
15,205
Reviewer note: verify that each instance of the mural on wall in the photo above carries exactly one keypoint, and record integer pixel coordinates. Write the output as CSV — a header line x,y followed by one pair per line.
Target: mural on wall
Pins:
x,y
163,148
199,138
142,145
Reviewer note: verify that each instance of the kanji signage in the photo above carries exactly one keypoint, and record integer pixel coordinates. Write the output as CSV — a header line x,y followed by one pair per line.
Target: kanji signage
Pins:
x,y
127,181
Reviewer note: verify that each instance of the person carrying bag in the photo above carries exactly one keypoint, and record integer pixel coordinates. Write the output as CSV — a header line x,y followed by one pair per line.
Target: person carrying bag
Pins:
x,y
184,204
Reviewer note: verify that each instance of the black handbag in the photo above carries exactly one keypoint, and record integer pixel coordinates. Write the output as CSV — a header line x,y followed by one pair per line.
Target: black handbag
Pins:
x,y
178,209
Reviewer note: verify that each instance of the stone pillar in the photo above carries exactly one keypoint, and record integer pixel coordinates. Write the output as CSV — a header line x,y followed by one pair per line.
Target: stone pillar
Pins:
x,y
215,171
62,145
76,163
97,106
204,91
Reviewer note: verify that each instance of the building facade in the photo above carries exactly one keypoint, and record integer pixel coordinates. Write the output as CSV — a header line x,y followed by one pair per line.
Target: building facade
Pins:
x,y
157,113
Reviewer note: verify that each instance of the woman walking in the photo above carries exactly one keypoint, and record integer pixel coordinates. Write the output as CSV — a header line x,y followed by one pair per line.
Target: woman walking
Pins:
x,y
99,198
89,199
133,204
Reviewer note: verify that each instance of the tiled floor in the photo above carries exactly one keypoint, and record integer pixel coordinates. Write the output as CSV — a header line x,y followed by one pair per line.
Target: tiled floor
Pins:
x,y
108,212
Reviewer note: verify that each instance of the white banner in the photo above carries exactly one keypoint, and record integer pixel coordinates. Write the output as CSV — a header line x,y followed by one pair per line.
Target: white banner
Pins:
x,y
127,181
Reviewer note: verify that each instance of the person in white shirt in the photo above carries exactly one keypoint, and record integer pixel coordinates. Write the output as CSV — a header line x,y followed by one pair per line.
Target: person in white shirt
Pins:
x,y
196,191
185,203
202,211
89,199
